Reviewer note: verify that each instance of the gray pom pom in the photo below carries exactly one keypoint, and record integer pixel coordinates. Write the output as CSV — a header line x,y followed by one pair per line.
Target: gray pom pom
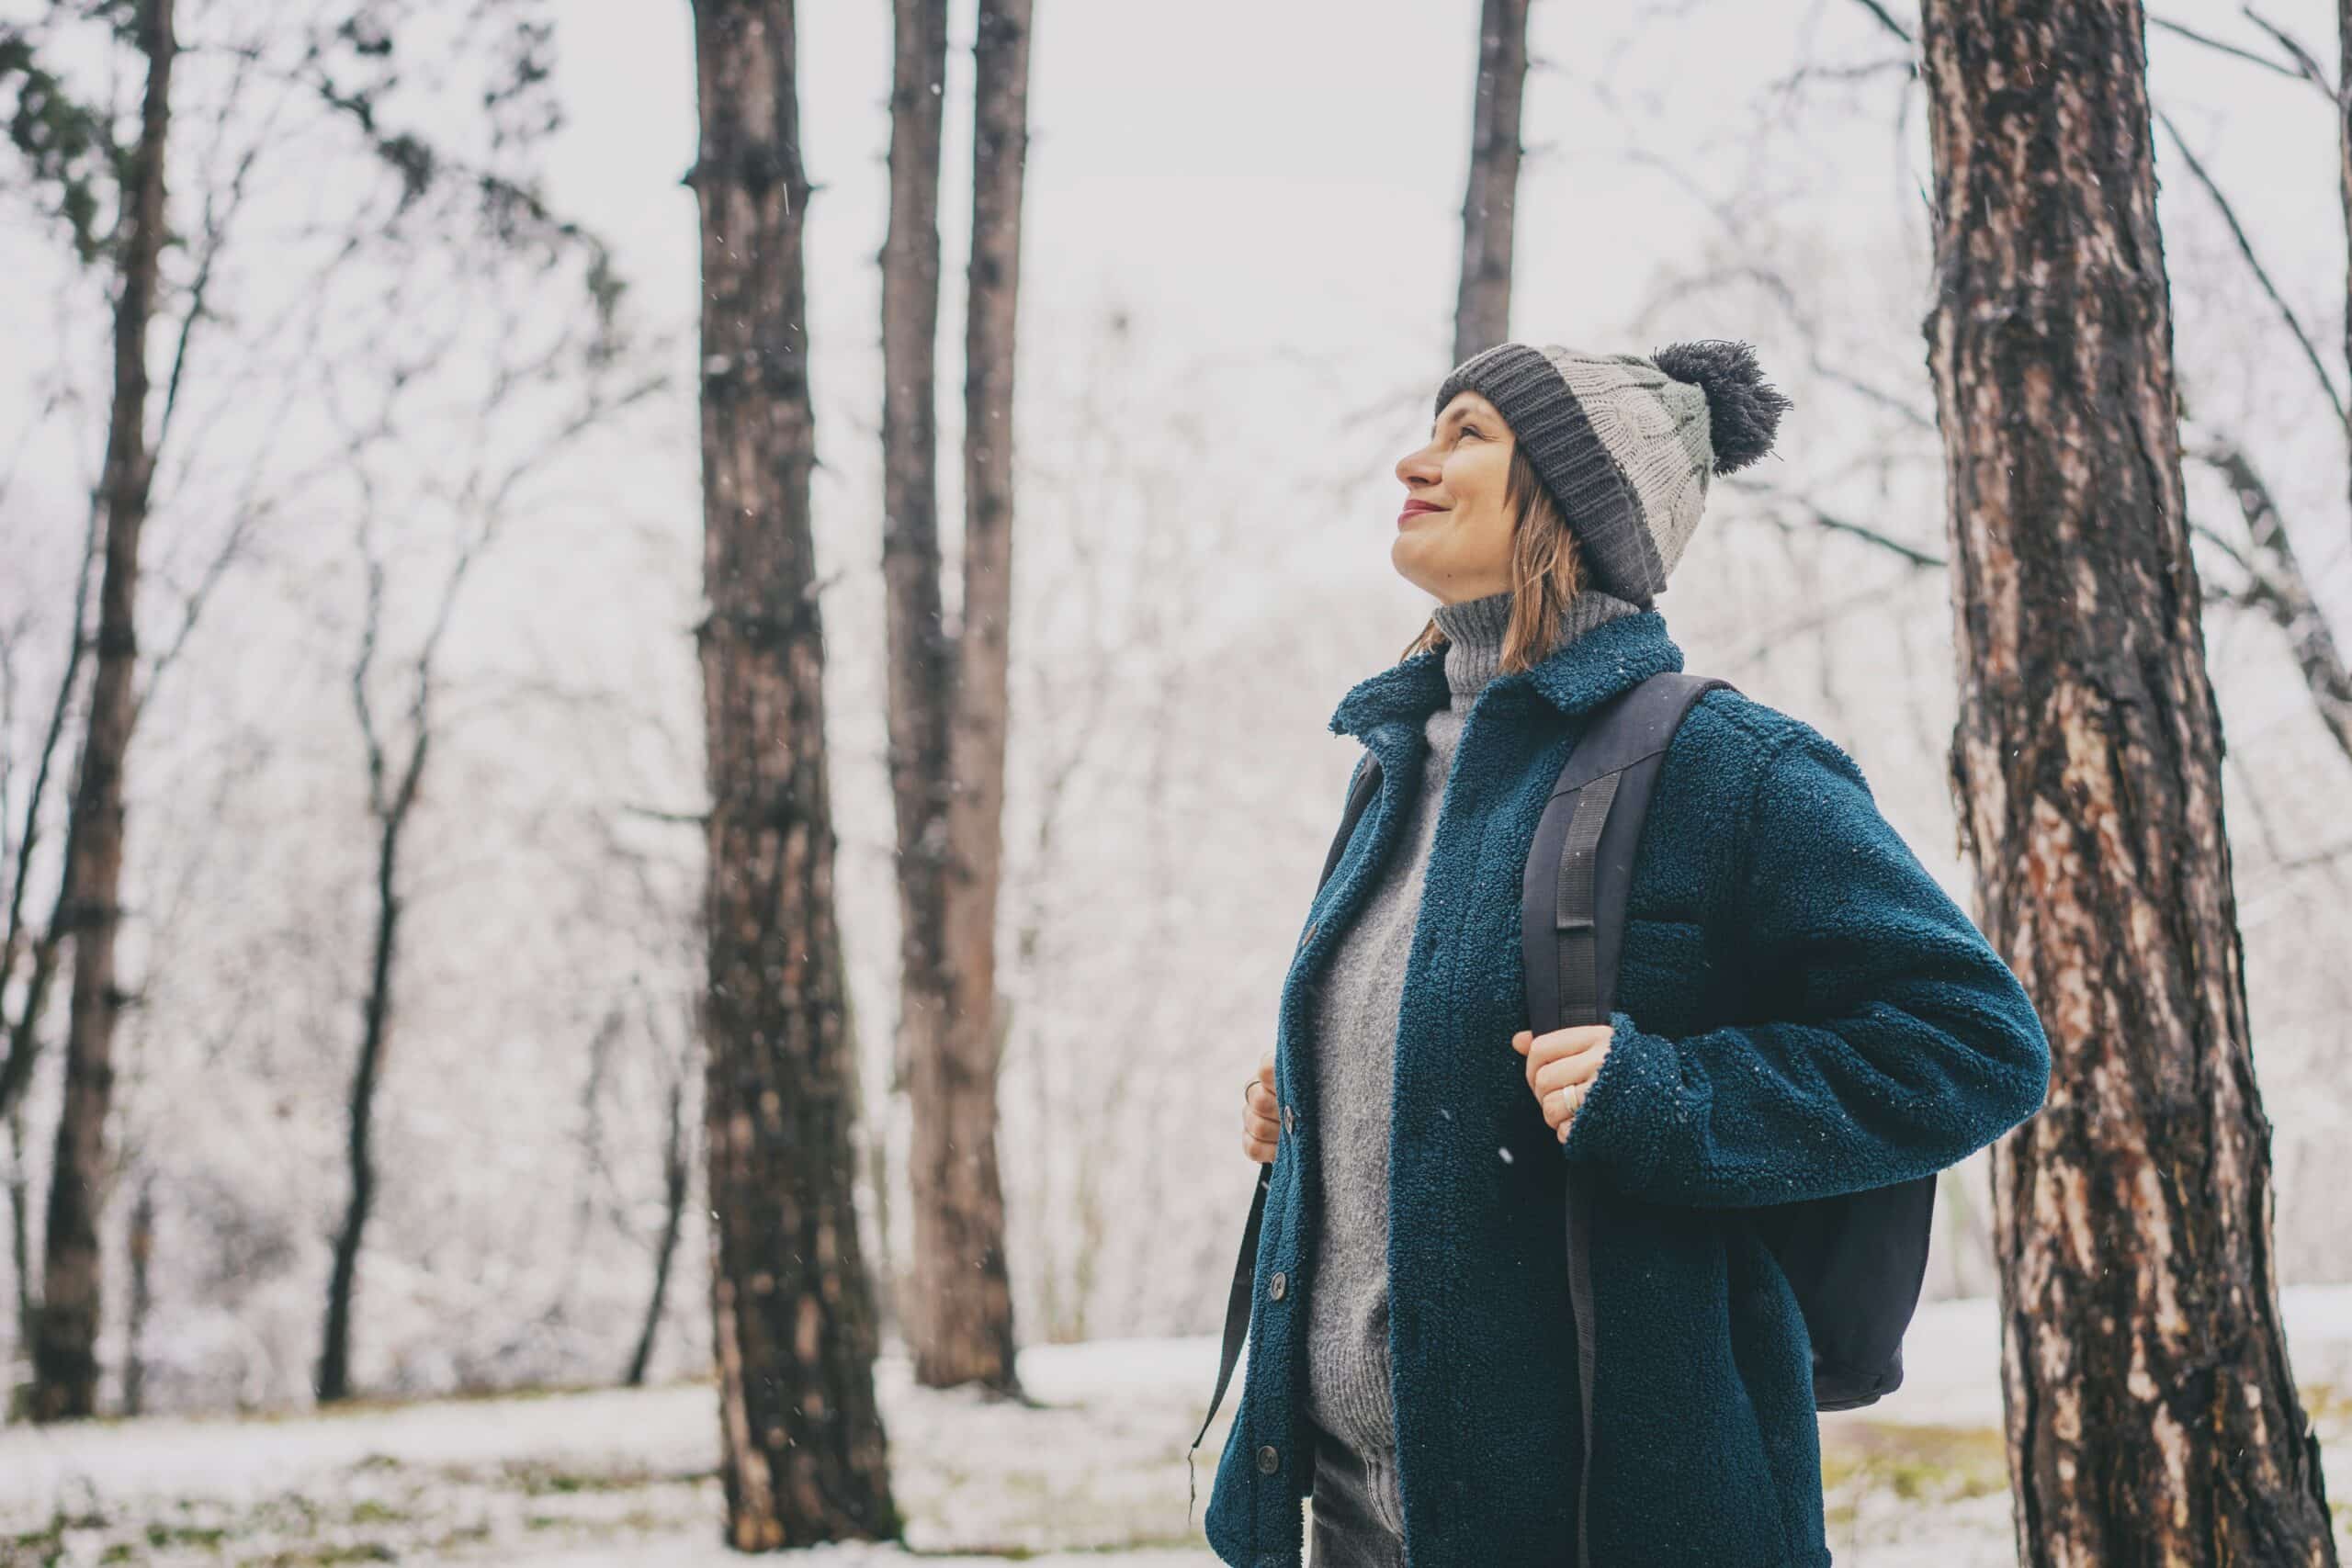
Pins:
x,y
1742,411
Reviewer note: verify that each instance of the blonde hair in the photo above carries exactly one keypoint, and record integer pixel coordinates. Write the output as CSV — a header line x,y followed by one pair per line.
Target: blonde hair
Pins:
x,y
1546,571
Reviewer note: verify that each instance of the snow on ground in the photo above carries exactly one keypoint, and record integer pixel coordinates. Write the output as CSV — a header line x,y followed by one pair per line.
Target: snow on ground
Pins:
x,y
1951,1357
1093,1465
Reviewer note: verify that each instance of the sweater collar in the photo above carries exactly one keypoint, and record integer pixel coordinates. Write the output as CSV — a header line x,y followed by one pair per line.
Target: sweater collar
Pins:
x,y
1474,640
1579,675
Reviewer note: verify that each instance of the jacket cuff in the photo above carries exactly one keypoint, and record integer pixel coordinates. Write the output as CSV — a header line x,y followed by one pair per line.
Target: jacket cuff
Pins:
x,y
1622,1123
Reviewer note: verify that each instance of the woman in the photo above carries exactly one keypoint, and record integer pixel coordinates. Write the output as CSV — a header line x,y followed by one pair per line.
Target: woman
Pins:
x,y
1802,1011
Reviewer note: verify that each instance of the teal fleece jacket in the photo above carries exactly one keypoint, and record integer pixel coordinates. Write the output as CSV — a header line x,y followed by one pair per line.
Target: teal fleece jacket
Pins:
x,y
1803,1010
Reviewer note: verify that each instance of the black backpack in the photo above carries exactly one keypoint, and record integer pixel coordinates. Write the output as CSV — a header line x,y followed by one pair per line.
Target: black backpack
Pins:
x,y
1854,1260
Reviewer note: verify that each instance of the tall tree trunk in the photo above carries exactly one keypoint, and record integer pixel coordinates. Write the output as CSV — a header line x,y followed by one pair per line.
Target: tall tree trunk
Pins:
x,y
921,658
367,1074
961,1313
676,1173
1489,204
2151,1415
142,1297
42,950
65,1361
21,1240
805,1458
2344,157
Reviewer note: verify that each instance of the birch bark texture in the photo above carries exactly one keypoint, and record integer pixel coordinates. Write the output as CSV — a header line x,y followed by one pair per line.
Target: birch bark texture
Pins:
x,y
2151,1414
804,1455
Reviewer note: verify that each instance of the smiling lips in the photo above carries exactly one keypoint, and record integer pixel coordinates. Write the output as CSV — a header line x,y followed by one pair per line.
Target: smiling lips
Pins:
x,y
1414,509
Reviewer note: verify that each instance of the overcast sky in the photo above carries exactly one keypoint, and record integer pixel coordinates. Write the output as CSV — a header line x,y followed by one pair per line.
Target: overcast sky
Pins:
x,y
1264,180
1272,188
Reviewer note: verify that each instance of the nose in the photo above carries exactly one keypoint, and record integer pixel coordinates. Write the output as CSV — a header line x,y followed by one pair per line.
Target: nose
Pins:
x,y
1419,467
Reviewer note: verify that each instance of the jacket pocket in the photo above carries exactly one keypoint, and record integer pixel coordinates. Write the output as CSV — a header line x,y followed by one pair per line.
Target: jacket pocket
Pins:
x,y
1774,1358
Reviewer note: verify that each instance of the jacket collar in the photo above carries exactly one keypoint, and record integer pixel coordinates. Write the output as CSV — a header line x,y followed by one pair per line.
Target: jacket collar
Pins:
x,y
1577,676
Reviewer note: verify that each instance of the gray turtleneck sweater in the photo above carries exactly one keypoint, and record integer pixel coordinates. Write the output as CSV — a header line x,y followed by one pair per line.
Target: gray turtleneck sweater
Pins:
x,y
1354,1043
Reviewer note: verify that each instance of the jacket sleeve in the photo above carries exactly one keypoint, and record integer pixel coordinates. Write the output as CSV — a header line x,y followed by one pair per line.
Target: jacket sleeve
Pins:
x,y
1909,1042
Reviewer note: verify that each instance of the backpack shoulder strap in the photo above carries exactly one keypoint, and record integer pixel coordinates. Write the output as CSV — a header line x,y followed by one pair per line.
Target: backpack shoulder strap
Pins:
x,y
1572,926
1580,865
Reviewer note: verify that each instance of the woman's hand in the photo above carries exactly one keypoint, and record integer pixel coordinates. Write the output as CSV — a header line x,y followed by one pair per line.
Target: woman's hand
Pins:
x,y
1261,1114
1560,1068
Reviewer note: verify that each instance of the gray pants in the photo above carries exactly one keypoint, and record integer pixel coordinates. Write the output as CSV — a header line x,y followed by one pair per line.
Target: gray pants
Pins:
x,y
1355,1510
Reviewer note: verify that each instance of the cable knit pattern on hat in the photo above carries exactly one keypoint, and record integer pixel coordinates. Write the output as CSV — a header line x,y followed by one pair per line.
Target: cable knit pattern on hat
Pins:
x,y
1347,1297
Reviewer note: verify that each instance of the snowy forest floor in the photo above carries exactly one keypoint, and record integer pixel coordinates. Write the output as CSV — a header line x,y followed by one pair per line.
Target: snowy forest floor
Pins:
x,y
1094,1468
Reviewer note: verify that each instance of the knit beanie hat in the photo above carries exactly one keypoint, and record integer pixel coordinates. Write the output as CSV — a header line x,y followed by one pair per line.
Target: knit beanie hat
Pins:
x,y
1625,444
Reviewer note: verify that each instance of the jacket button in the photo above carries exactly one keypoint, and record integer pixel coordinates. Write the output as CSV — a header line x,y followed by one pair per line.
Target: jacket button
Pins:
x,y
1290,1124
1269,1460
1276,1286
1313,925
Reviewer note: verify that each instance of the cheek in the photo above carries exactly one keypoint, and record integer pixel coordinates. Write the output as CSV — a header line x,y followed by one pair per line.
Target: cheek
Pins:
x,y
1484,512
1479,476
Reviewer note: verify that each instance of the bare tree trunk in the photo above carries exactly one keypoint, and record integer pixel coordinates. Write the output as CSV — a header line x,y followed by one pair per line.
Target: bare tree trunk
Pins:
x,y
20,1241
1489,204
805,1458
375,1034
676,1173
921,658
2152,1417
2344,152
65,1361
43,951
142,1297
961,1325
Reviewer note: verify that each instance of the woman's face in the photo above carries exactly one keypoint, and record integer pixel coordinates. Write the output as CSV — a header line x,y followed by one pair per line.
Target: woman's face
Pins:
x,y
1453,536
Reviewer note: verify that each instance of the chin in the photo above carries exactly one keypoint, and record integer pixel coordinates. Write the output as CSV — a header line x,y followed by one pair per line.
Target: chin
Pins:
x,y
1405,556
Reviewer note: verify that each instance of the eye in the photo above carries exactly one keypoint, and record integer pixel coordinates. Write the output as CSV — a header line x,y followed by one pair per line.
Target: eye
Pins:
x,y
1469,430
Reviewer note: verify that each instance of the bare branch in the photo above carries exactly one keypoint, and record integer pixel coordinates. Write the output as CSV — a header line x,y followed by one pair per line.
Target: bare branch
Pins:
x,y
1910,555
2308,67
2276,585
2224,47
1887,21
2262,275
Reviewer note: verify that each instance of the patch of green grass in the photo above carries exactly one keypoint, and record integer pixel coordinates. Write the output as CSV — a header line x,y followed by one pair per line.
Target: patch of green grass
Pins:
x,y
41,1546
45,1547
644,1521
163,1537
464,1534
2326,1404
1939,1464
636,1521
536,1478
1022,1553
